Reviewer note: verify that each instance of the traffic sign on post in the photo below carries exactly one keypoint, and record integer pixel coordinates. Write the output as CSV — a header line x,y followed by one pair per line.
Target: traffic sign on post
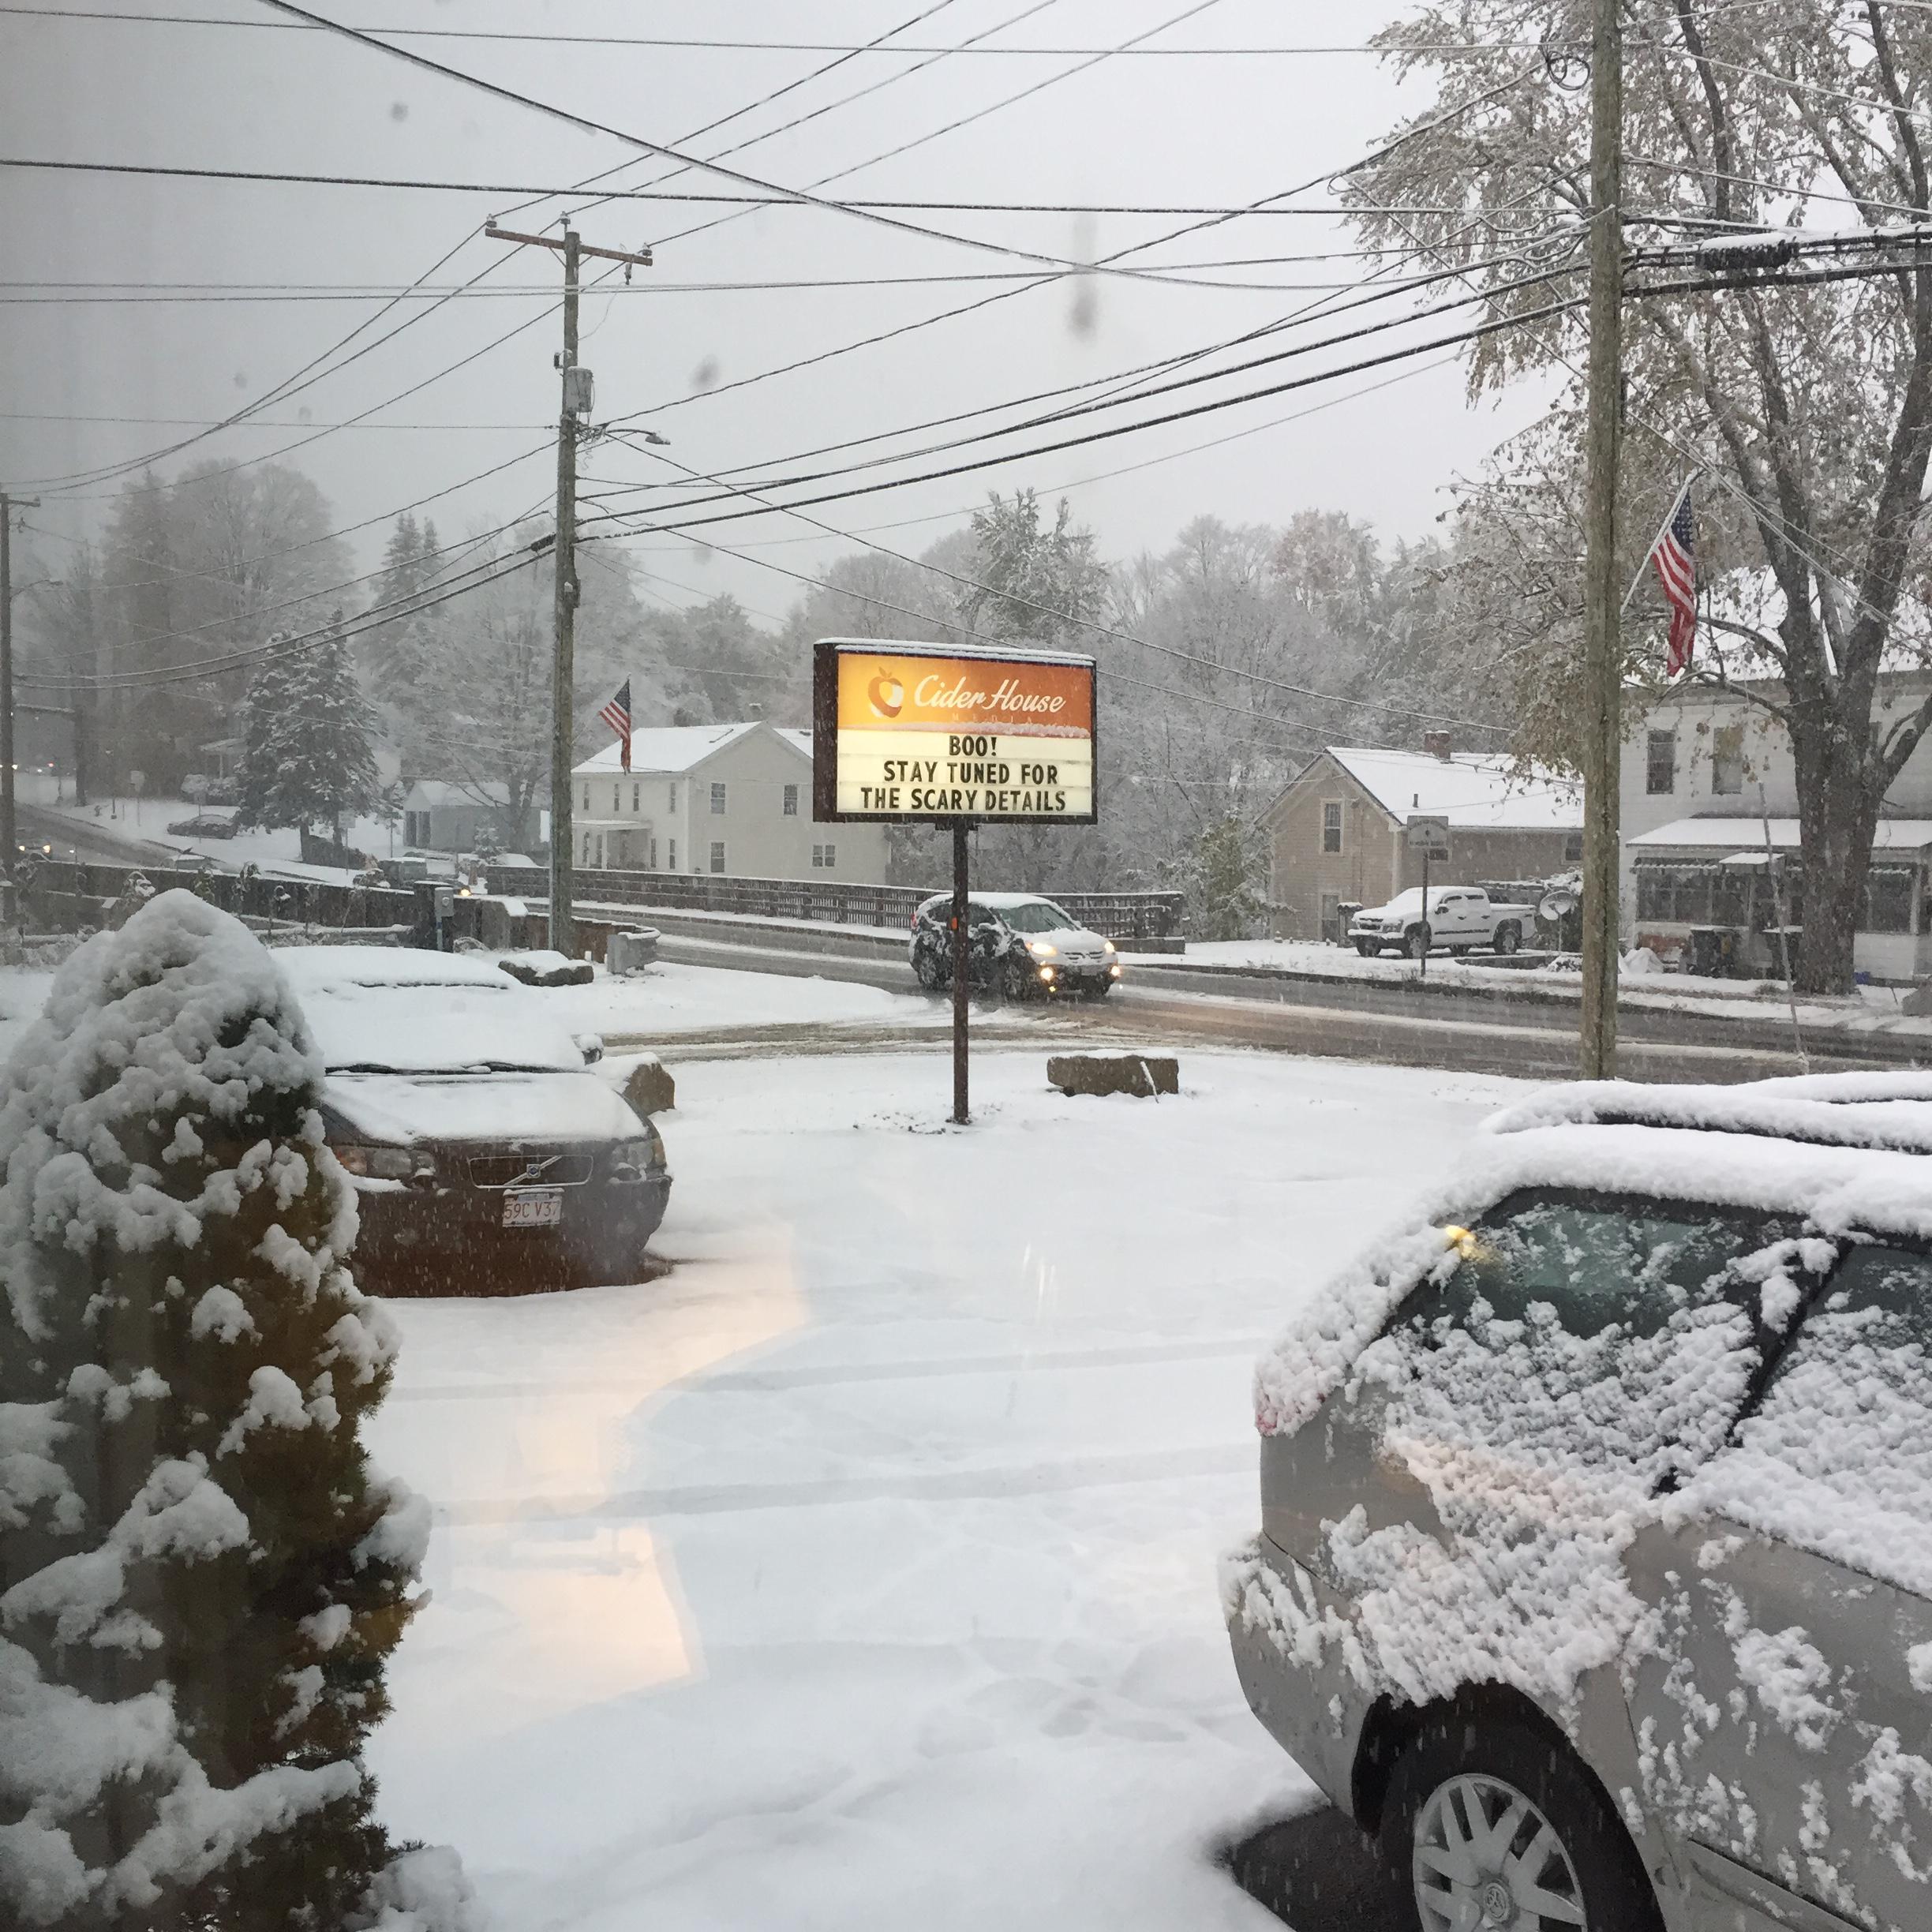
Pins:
x,y
1429,834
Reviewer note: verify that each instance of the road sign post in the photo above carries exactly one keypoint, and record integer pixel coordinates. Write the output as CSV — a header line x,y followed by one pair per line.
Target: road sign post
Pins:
x,y
952,734
1428,835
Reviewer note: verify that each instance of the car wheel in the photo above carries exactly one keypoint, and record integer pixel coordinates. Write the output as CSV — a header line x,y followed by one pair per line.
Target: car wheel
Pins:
x,y
1416,942
1508,936
1017,978
927,965
1367,948
1491,1824
1103,988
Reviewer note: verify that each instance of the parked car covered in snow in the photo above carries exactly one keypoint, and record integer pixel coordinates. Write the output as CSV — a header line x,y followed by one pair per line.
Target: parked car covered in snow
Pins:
x,y
1595,1569
484,1155
1458,919
215,822
1021,945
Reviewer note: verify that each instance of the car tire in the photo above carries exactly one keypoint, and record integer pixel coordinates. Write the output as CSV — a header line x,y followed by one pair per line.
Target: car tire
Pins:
x,y
1416,942
1103,988
1367,948
1017,978
1508,936
1462,1762
926,968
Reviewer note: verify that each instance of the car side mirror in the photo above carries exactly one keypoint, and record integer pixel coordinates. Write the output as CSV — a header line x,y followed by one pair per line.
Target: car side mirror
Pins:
x,y
591,1047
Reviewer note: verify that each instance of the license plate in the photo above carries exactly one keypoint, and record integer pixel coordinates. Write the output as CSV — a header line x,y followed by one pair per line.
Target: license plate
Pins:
x,y
533,1207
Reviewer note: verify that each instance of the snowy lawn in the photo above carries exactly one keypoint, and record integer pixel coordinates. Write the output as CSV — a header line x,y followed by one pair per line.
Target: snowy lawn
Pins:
x,y
862,1569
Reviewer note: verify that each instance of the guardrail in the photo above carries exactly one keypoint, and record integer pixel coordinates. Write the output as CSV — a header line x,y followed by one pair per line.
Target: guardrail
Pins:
x,y
1127,915
59,895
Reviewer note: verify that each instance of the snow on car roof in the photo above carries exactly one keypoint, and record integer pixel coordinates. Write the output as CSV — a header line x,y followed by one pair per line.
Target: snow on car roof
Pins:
x,y
1892,1114
321,968
1002,902
1837,1189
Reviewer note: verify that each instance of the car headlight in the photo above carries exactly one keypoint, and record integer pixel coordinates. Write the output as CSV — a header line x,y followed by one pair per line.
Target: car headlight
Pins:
x,y
1041,949
373,1162
1107,945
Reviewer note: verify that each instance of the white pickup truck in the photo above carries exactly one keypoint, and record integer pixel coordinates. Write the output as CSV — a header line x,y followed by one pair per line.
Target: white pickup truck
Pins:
x,y
1458,919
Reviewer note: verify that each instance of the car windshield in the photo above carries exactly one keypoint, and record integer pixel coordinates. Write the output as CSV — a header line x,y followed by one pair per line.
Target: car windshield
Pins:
x,y
1038,915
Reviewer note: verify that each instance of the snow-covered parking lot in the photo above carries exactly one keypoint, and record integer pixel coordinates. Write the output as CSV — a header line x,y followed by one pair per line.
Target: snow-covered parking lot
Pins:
x,y
864,1566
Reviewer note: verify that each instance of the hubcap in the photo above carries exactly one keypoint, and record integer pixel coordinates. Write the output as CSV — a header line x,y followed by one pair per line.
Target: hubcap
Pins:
x,y
1488,1860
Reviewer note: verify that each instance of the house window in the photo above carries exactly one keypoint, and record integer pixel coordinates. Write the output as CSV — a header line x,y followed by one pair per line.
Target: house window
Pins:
x,y
616,798
637,792
1331,918
1331,825
674,808
1660,763
717,855
653,854
1573,848
825,857
586,804
1728,760
791,801
718,801
831,857
1888,900
672,865
586,848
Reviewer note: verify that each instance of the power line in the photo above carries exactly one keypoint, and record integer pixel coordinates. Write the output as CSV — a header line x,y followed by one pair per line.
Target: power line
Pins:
x,y
804,197
779,198
746,46
1145,393
1085,623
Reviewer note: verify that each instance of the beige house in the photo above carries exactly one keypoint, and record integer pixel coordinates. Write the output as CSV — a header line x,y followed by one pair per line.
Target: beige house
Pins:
x,y
732,799
1335,835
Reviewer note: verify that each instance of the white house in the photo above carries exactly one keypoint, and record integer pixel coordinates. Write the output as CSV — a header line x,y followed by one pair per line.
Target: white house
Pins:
x,y
734,799
1708,784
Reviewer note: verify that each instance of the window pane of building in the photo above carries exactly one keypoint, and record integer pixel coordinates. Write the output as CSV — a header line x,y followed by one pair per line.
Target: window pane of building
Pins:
x,y
718,800
1661,762
717,855
1728,759
1331,827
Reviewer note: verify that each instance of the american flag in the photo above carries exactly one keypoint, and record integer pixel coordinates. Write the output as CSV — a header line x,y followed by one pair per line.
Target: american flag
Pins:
x,y
616,714
1674,557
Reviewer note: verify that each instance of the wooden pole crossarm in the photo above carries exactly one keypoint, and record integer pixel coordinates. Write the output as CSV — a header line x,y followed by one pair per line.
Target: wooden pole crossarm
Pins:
x,y
583,248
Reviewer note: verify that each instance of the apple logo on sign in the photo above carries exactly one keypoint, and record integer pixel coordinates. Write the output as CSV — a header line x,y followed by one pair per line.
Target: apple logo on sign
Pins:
x,y
887,695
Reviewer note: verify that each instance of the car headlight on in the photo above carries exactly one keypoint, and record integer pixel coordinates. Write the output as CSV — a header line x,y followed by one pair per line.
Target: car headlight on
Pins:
x,y
1107,945
1040,949
373,1162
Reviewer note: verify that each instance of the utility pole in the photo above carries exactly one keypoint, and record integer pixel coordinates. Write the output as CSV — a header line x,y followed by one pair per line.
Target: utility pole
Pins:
x,y
577,395
9,837
1602,731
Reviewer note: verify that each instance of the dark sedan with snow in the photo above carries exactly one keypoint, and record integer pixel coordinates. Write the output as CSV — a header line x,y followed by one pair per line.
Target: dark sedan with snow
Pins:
x,y
1020,945
486,1157
1595,1569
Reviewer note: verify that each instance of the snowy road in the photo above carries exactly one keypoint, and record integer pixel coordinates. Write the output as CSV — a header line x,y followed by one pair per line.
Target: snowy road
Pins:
x,y
863,1565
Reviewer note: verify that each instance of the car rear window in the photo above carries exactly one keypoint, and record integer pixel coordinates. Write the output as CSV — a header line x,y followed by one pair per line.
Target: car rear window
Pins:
x,y
1592,1331
1838,1457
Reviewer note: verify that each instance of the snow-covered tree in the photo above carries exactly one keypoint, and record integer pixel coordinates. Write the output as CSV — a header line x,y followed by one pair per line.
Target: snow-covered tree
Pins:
x,y
205,1575
1809,404
309,753
1224,897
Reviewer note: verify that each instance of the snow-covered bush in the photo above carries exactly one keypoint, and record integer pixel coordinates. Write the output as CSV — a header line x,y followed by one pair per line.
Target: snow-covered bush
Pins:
x,y
203,1575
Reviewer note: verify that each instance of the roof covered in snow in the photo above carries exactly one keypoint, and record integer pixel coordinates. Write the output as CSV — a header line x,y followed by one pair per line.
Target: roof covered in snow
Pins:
x,y
427,794
1748,834
1475,790
666,748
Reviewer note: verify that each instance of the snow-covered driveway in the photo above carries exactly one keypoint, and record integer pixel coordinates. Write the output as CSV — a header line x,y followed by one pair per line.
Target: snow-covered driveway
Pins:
x,y
860,1571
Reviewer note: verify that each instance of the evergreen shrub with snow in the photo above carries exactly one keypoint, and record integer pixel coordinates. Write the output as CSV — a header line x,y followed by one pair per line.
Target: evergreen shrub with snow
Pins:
x,y
203,1575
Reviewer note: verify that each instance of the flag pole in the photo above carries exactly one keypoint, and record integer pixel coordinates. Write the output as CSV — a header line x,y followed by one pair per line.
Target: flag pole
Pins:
x,y
1670,517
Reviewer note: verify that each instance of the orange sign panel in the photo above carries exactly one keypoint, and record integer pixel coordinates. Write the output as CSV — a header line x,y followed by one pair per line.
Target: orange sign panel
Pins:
x,y
903,733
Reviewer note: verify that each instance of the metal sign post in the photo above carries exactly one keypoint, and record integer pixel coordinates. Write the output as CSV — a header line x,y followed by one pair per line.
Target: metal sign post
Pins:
x,y
962,942
1430,836
952,734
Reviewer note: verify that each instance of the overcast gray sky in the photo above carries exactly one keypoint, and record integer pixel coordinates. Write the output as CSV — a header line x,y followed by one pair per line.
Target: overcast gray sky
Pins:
x,y
1216,132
